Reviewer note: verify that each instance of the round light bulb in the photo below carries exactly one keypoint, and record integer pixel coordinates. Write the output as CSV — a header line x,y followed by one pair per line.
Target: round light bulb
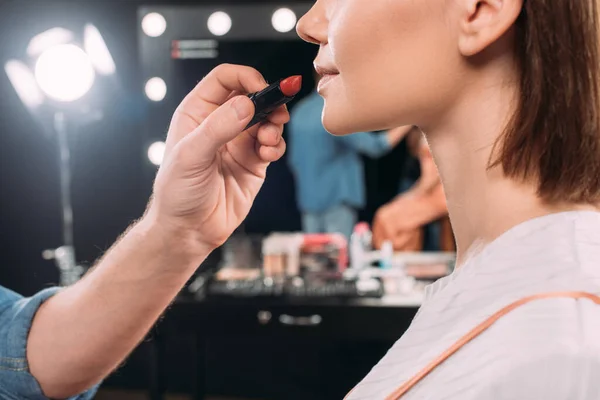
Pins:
x,y
64,72
154,24
219,23
284,20
156,152
156,89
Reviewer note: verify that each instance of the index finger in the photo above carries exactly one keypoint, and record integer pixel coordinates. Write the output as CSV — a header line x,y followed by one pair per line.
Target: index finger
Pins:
x,y
217,86
215,89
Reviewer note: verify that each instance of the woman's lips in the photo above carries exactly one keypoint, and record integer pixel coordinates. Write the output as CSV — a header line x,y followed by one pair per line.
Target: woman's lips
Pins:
x,y
323,70
326,80
328,74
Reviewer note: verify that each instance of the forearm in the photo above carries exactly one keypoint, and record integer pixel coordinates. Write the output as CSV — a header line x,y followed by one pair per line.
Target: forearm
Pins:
x,y
419,208
433,205
79,336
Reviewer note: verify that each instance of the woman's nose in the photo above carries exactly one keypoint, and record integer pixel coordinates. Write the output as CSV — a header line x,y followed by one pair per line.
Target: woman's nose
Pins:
x,y
312,27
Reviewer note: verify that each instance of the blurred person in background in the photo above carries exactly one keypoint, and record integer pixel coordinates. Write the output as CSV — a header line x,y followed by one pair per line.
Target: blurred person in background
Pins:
x,y
416,219
328,170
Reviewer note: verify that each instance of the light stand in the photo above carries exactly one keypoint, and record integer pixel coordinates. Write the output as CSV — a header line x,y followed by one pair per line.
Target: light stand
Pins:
x,y
64,256
60,127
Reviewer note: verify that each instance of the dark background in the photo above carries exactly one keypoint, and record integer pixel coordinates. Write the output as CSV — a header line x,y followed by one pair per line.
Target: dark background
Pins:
x,y
111,184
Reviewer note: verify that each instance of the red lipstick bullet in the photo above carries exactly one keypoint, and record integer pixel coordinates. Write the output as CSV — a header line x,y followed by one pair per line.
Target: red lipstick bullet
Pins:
x,y
291,86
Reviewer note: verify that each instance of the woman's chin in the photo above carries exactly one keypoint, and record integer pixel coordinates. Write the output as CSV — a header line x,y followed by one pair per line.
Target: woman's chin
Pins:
x,y
344,124
338,124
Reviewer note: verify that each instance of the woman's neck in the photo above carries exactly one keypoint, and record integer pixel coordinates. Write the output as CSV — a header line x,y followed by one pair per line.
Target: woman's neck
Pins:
x,y
483,203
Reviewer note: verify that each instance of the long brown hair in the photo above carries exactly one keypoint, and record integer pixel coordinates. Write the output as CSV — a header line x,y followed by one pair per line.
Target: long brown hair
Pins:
x,y
554,136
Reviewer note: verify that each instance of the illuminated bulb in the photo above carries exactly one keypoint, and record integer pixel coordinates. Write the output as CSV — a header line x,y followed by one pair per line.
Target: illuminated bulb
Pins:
x,y
156,89
156,152
154,24
219,23
64,72
284,20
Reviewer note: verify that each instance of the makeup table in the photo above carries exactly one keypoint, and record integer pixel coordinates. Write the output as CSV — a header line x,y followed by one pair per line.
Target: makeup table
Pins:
x,y
277,319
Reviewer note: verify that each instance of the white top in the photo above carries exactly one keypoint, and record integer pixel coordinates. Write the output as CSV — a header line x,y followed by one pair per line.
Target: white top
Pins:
x,y
545,350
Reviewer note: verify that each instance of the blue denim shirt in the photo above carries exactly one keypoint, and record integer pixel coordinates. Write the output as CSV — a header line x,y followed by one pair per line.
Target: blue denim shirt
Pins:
x,y
16,315
328,169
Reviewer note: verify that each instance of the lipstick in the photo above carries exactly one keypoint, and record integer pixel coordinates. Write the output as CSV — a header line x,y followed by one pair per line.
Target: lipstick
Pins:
x,y
275,95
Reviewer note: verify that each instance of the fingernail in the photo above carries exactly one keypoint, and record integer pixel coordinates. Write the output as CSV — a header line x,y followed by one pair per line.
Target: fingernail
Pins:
x,y
242,108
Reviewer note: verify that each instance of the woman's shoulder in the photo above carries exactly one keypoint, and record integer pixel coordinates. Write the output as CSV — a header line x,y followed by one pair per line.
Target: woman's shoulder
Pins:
x,y
549,337
548,349
564,371
564,319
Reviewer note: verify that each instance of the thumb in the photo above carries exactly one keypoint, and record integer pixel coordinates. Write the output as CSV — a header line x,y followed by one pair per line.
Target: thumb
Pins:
x,y
222,125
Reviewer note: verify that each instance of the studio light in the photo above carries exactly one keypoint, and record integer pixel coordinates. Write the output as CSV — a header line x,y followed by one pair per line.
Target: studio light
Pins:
x,y
96,49
154,24
56,67
284,20
156,89
156,152
219,23
64,72
24,83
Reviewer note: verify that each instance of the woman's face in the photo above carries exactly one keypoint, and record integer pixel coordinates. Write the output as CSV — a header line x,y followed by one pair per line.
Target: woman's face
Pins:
x,y
386,63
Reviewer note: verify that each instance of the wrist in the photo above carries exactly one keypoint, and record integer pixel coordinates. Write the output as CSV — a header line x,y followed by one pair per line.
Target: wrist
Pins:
x,y
183,244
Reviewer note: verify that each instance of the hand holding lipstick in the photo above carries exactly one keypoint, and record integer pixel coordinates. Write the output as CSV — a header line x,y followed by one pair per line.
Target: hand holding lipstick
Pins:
x,y
213,168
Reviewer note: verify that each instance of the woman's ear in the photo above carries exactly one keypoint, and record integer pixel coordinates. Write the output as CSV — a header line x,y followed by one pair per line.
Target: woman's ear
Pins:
x,y
483,22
